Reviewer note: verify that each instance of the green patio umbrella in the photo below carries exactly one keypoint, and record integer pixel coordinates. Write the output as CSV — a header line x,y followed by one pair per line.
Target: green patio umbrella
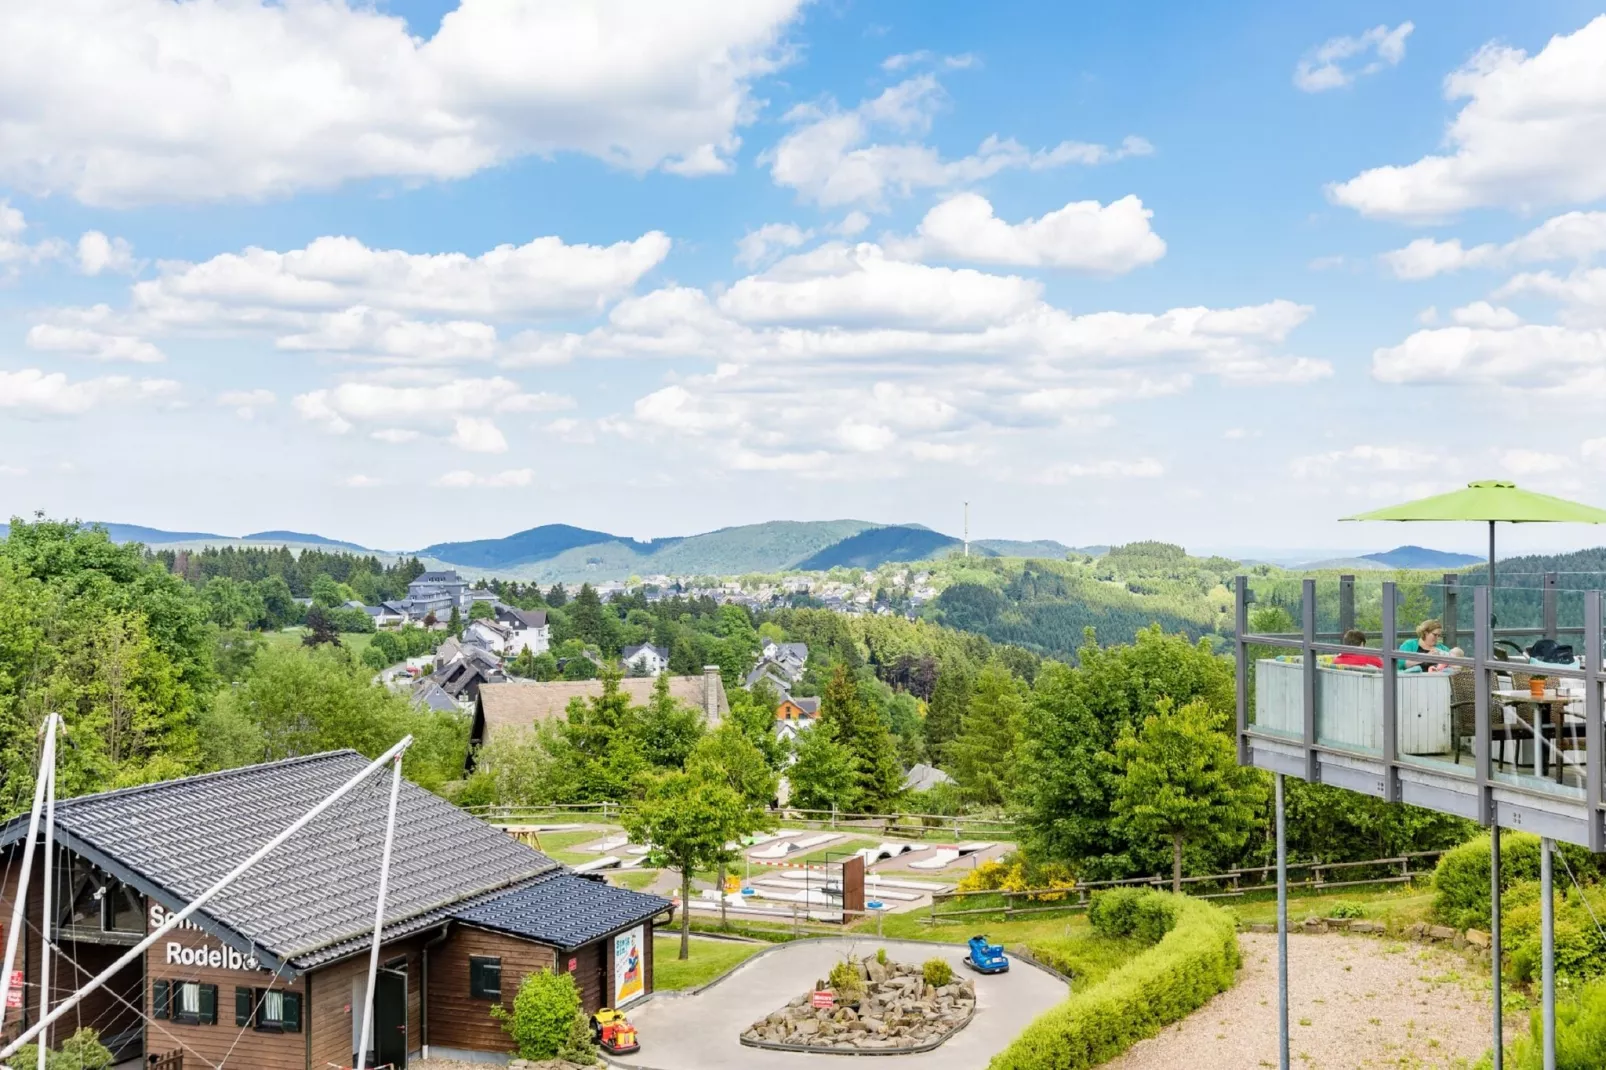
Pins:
x,y
1493,502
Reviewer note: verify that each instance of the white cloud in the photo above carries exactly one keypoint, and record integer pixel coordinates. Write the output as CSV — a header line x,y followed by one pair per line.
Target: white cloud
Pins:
x,y
852,224
96,345
1367,459
757,246
1532,133
1525,357
255,99
12,470
97,253
462,478
34,392
829,156
14,251
245,403
1522,462
341,407
1483,314
925,57
1324,66
568,429
395,436
360,482
1577,236
477,434
1083,236
1141,468
1582,293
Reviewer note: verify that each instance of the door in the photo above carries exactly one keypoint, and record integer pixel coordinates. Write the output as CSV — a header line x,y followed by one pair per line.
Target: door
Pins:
x,y
390,1017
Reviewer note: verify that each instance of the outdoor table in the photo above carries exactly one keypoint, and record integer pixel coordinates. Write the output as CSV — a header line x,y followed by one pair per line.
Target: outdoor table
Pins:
x,y
1558,703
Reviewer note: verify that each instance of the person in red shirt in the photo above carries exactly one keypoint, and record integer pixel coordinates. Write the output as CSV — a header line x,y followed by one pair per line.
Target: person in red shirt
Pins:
x,y
1356,637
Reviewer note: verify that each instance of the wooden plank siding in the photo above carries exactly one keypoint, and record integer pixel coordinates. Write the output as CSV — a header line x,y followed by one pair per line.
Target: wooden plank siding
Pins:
x,y
457,1020
337,998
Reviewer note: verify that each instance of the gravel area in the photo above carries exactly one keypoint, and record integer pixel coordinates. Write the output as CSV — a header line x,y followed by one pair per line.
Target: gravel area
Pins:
x,y
1353,1002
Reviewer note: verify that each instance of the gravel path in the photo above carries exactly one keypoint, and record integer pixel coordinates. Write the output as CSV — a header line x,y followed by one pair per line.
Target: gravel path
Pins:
x,y
1353,1002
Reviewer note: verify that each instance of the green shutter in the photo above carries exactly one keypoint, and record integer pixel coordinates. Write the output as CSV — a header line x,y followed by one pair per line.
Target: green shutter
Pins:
x,y
159,999
243,999
292,1012
208,1005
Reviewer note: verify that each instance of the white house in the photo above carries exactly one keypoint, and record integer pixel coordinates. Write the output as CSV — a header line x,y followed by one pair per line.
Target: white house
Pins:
x,y
646,659
490,634
527,630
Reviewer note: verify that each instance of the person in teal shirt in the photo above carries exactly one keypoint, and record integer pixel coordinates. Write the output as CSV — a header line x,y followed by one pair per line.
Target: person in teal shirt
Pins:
x,y
1427,639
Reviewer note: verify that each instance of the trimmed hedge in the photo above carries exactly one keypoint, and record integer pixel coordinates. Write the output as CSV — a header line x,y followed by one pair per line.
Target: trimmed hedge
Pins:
x,y
1194,961
1141,913
1461,879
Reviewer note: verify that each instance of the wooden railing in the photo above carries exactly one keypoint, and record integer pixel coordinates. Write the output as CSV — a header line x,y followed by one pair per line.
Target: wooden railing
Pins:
x,y
915,826
173,1060
1400,869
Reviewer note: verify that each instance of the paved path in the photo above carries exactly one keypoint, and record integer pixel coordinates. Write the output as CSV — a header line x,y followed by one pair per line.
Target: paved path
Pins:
x,y
1353,1002
700,1032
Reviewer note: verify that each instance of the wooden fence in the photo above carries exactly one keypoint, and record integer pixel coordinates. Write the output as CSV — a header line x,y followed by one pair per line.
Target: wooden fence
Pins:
x,y
1401,869
173,1060
906,826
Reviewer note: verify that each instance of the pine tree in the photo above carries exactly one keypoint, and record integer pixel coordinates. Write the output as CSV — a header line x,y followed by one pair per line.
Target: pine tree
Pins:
x,y
950,697
875,756
983,756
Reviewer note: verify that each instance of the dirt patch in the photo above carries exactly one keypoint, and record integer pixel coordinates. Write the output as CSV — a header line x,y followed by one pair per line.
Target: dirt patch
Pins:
x,y
1353,1002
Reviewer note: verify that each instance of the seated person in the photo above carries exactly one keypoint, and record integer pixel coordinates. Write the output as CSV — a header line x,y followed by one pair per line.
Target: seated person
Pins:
x,y
1356,637
1427,639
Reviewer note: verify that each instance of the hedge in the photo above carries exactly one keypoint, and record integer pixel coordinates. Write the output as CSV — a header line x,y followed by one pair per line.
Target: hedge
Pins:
x,y
1142,913
1194,961
1461,879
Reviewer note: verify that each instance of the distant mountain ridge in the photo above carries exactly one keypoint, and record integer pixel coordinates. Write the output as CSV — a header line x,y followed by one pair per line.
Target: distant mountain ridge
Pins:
x,y
1422,557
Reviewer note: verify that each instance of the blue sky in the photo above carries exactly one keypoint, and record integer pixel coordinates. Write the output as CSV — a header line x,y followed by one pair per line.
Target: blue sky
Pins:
x,y
1214,273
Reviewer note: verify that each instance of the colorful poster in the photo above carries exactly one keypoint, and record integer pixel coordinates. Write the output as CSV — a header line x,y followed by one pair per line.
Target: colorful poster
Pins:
x,y
629,966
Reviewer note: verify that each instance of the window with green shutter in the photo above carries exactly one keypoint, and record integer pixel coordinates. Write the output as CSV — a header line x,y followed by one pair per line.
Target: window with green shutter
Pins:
x,y
208,1014
244,1006
484,977
159,1000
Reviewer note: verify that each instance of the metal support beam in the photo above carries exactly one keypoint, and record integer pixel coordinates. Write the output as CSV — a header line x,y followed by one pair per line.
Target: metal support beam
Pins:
x,y
1391,696
177,918
47,907
1308,663
1240,615
367,1033
1550,599
1481,647
1547,925
1282,932
47,761
1494,947
1346,603
1452,609
1593,788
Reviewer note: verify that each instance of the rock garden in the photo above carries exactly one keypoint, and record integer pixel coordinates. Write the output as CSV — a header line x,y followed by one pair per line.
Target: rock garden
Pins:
x,y
871,1005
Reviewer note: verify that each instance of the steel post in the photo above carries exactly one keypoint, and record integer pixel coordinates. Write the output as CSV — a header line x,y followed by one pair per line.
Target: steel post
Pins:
x,y
47,760
367,1033
1547,925
1282,931
47,910
1494,945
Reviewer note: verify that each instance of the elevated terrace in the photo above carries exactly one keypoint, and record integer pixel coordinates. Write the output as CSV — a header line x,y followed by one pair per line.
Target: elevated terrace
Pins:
x,y
1464,732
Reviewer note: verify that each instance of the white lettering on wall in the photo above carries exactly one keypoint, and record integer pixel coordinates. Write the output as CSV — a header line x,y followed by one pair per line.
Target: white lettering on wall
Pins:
x,y
217,958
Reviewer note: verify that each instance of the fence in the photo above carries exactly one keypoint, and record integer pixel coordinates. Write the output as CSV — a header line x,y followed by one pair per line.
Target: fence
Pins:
x,y
173,1060
907,826
1209,886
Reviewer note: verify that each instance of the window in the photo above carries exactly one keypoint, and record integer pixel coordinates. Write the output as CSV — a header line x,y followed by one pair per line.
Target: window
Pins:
x,y
484,977
268,1010
188,1002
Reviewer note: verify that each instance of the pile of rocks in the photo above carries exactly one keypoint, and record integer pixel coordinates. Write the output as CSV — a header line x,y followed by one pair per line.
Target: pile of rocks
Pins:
x,y
897,1010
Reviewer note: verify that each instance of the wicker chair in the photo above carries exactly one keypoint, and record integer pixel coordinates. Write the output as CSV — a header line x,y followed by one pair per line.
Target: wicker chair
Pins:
x,y
1464,715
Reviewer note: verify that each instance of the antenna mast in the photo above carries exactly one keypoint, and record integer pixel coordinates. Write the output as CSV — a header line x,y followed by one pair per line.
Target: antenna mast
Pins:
x,y
967,529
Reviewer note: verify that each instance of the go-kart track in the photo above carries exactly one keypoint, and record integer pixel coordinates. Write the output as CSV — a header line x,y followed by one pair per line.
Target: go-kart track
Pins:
x,y
701,1031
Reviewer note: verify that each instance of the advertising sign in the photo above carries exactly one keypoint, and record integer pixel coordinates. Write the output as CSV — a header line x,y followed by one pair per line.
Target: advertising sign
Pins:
x,y
629,966
824,1000
14,993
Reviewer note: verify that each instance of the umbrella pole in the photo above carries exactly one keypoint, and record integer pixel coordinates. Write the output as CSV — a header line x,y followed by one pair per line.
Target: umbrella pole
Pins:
x,y
1491,573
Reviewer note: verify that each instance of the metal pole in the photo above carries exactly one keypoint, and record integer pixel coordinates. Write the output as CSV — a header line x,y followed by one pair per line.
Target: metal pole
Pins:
x,y
1547,925
175,920
47,760
47,909
1491,573
1282,932
379,917
1494,944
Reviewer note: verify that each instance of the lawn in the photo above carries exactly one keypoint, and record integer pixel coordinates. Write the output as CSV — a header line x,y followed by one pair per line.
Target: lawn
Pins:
x,y
1396,906
709,959
561,845
637,880
356,642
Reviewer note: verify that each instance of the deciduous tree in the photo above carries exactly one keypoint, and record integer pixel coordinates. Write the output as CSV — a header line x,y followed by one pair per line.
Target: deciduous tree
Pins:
x,y
688,822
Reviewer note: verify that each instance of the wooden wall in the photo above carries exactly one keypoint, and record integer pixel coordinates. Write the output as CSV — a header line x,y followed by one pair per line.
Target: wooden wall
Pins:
x,y
336,997
457,1020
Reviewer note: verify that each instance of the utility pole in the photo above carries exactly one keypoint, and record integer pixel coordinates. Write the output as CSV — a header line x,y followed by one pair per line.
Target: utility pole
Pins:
x,y
967,529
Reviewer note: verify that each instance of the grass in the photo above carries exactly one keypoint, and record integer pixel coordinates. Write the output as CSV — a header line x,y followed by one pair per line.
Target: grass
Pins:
x,y
1395,905
356,642
561,845
637,880
709,959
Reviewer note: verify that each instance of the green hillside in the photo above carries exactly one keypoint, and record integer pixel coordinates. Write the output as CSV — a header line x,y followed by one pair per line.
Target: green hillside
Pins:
x,y
876,546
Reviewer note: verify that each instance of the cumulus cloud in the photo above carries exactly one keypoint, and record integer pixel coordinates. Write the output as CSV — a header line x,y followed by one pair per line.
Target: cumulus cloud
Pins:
x,y
477,434
830,158
462,478
1082,236
1522,462
1532,133
757,246
1483,314
460,409
1364,458
15,252
31,391
85,341
97,253
255,99
245,403
360,482
1523,357
1326,66
1577,236
1139,468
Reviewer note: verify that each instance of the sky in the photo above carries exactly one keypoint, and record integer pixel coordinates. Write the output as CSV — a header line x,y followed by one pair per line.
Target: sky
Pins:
x,y
1215,273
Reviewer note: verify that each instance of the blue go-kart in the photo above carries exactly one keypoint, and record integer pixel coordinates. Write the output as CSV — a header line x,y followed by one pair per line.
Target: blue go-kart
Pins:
x,y
985,957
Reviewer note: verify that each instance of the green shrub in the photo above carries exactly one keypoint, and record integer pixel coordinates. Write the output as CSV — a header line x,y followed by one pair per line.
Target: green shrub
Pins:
x,y
937,972
1142,913
846,980
1167,982
545,1012
1345,909
1580,1035
1461,879
1580,949
881,955
81,1051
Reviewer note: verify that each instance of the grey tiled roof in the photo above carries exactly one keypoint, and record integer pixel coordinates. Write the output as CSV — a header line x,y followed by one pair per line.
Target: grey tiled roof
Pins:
x,y
565,910
317,891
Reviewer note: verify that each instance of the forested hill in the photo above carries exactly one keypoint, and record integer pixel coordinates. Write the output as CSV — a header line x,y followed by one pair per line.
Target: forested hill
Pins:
x,y
1047,605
